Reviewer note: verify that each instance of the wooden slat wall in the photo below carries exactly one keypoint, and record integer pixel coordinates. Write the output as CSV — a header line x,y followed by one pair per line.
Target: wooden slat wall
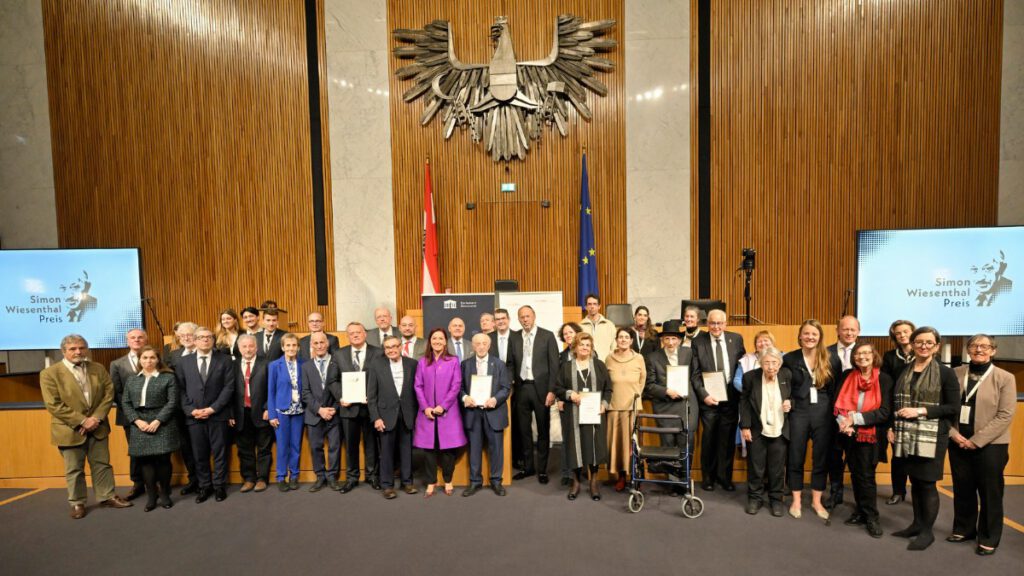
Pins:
x,y
183,127
837,115
509,235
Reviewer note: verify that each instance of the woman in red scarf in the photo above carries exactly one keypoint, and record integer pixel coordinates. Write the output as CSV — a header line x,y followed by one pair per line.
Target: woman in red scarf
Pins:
x,y
863,403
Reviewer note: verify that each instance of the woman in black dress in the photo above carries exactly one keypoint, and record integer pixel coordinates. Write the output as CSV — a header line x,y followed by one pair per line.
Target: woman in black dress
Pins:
x,y
925,400
645,337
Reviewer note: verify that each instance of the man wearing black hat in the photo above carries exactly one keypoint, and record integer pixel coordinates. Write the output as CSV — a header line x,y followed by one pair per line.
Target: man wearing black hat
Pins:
x,y
666,400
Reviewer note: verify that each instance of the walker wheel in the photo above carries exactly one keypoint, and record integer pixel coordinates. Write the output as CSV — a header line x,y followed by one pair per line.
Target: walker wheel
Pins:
x,y
636,502
693,506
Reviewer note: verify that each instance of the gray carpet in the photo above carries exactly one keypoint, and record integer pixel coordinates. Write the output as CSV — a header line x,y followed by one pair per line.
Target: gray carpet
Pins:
x,y
6,493
1013,503
534,530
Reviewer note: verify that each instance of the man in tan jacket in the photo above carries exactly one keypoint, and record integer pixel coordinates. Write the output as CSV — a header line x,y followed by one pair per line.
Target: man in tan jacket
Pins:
x,y
78,395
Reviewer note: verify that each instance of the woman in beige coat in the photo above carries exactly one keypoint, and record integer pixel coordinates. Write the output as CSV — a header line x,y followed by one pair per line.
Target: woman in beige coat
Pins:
x,y
979,448
628,373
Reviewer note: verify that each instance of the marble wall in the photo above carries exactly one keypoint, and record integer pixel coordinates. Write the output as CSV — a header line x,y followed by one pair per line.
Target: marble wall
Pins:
x,y
29,216
364,244
1011,137
658,154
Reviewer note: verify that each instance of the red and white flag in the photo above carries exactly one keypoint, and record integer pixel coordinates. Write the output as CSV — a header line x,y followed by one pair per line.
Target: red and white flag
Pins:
x,y
431,279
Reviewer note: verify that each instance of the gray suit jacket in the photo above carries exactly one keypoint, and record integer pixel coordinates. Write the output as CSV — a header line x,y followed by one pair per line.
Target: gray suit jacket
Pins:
x,y
467,348
120,371
419,348
373,335
314,390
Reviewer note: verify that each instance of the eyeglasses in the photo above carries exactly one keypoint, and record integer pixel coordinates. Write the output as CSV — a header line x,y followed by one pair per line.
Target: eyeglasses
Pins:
x,y
980,347
716,323
206,337
924,344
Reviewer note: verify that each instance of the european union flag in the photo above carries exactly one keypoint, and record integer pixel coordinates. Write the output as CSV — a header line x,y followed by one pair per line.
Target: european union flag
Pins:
x,y
587,259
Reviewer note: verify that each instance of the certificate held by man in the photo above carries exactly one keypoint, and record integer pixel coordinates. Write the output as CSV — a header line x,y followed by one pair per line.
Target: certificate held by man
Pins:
x,y
353,387
714,383
480,389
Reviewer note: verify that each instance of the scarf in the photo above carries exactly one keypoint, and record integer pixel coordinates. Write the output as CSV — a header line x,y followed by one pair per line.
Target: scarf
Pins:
x,y
917,437
846,401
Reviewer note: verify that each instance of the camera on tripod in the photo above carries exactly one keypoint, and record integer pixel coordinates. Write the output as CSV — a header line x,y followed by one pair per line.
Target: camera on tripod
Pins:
x,y
748,259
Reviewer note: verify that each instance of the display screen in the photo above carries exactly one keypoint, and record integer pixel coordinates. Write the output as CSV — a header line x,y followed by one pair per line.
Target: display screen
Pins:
x,y
47,294
958,280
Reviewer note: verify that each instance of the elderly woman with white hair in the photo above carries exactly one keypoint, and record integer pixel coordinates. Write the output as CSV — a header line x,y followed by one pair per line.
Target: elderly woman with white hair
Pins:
x,y
764,423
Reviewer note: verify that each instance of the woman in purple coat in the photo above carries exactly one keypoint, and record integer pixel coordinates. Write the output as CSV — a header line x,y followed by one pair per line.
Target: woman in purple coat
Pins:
x,y
438,430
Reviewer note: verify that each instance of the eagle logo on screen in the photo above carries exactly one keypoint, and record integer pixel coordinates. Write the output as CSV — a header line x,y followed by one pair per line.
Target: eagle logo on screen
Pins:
x,y
990,280
505,104
78,299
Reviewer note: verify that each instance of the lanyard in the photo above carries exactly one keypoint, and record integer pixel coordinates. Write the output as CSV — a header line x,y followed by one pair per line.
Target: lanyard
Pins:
x,y
976,384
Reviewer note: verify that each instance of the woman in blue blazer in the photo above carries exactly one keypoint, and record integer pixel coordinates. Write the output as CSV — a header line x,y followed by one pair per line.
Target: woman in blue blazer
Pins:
x,y
284,406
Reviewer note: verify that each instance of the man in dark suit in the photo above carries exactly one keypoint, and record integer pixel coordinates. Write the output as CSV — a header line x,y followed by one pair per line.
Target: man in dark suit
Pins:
x,y
268,340
487,420
382,318
665,400
458,345
412,347
315,322
355,418
321,413
717,351
251,320
253,433
500,336
534,357
391,400
841,354
206,381
184,332
120,370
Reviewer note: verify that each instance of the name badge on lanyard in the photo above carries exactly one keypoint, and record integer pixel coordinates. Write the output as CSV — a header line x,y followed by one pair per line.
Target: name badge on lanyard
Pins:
x,y
814,395
965,410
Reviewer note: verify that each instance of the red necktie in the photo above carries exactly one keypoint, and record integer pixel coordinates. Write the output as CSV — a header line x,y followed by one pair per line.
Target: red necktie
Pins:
x,y
405,349
248,372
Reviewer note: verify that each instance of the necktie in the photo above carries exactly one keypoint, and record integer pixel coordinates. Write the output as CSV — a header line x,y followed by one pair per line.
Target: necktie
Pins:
x,y
320,366
529,343
405,349
203,368
458,348
501,347
719,357
266,342
248,374
356,362
134,363
846,357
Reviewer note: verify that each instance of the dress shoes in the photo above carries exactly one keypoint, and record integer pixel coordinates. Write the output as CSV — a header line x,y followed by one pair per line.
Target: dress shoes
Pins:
x,y
542,478
390,494
708,486
574,490
728,486
348,486
895,499
165,503
959,538
855,519
908,532
150,506
981,551
293,482
471,489
333,484
498,488
318,485
874,528
753,507
375,484
620,484
247,487
78,512
282,485
261,485
116,501
220,494
203,495
190,488
136,491
778,509
522,474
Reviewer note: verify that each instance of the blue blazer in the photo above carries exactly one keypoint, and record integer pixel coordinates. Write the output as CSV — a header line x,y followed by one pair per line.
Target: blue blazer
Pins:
x,y
501,385
279,386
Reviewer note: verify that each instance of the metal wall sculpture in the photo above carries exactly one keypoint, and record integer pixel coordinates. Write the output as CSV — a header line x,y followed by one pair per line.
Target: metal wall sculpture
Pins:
x,y
506,104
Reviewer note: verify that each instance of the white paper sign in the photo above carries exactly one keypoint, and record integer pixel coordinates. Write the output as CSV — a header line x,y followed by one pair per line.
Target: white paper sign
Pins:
x,y
678,377
590,408
714,383
353,387
480,389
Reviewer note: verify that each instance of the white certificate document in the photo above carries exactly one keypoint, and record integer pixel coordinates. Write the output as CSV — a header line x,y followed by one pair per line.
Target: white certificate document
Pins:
x,y
678,376
714,383
353,387
590,408
480,389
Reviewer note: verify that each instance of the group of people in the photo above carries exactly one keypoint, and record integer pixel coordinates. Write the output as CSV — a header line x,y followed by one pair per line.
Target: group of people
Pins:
x,y
390,391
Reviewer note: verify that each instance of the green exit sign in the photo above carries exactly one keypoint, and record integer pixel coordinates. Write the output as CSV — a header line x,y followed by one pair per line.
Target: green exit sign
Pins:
x,y
508,186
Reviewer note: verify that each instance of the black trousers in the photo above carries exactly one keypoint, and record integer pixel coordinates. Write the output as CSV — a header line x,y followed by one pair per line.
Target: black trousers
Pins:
x,y
718,442
328,431
187,454
431,456
478,433
815,425
898,473
156,471
978,475
925,500
766,464
863,459
254,449
529,406
400,438
134,468
355,429
210,438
